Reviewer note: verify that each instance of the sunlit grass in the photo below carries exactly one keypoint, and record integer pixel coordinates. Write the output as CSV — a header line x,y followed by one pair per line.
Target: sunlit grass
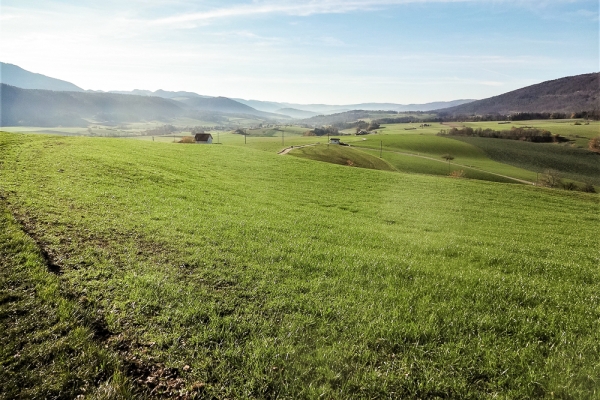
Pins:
x,y
273,276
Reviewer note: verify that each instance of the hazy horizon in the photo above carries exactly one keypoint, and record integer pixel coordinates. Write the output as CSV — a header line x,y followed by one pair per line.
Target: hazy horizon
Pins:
x,y
327,52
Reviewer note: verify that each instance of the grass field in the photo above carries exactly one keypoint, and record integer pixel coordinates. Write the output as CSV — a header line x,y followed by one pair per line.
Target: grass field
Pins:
x,y
479,158
342,155
580,134
572,162
398,146
277,132
232,272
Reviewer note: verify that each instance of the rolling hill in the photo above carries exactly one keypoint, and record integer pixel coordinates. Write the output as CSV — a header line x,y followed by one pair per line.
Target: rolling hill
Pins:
x,y
227,106
327,109
295,113
163,270
32,107
165,94
569,94
16,76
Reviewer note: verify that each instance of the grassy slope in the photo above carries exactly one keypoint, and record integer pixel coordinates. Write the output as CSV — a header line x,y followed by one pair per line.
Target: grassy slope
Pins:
x,y
434,147
574,163
342,155
581,134
48,348
267,277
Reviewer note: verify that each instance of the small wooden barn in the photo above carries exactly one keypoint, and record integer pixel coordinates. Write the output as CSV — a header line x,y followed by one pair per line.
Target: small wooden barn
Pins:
x,y
334,141
203,138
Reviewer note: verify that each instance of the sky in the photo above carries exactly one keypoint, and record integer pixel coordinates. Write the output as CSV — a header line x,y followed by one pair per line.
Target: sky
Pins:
x,y
305,51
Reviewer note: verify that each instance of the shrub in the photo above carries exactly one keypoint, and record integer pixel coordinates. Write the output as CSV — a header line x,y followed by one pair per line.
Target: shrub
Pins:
x,y
372,126
588,188
594,144
459,173
569,186
550,178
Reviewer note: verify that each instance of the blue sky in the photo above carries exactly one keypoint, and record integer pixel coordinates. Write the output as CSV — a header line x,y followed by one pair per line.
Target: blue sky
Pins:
x,y
327,51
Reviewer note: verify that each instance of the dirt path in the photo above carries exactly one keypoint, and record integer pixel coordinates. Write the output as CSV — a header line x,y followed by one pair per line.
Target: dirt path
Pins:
x,y
288,149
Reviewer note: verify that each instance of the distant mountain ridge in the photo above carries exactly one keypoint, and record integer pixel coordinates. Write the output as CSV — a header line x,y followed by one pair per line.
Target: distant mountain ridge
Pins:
x,y
335,109
295,113
226,105
165,94
35,107
565,95
16,76
34,99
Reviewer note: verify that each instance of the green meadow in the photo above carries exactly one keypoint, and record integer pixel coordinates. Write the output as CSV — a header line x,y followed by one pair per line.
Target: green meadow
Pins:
x,y
401,149
413,148
136,269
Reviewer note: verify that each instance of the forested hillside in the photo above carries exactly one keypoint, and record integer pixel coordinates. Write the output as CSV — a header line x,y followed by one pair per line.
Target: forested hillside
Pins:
x,y
565,95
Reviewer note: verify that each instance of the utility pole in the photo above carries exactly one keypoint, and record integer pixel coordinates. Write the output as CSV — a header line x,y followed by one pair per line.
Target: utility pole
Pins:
x,y
380,148
245,134
282,140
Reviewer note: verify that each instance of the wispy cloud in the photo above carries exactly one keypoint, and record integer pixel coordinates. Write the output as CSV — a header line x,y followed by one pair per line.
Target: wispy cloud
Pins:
x,y
586,14
312,7
297,8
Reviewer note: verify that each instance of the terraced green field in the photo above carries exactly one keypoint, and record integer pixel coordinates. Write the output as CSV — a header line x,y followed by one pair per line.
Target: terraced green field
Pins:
x,y
232,272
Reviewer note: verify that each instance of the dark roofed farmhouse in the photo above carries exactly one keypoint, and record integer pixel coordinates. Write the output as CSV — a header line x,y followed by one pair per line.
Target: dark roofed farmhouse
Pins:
x,y
203,138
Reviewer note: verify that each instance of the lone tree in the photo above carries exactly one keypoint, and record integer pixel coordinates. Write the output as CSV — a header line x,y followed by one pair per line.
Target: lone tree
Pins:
x,y
372,126
550,178
448,157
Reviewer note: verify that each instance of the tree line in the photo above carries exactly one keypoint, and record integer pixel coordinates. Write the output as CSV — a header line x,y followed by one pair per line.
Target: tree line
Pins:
x,y
522,133
521,116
